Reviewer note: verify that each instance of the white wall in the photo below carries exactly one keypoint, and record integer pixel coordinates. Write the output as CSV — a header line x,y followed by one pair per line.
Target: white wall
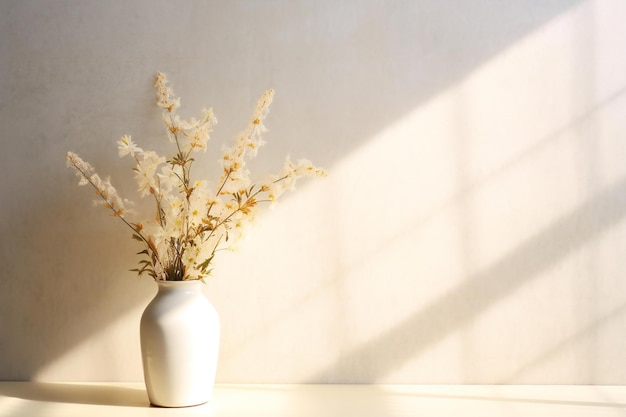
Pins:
x,y
471,229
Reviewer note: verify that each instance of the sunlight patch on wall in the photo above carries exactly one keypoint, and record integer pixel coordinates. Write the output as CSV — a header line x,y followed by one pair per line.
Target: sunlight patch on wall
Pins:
x,y
434,200
466,185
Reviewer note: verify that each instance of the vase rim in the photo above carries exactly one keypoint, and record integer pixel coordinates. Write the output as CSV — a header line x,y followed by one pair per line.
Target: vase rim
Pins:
x,y
188,282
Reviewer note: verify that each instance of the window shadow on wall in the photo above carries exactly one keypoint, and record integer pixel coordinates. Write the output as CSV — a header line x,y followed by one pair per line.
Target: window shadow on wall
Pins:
x,y
481,290
48,306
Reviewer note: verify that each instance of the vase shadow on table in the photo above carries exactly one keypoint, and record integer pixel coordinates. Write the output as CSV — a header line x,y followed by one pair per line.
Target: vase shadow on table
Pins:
x,y
93,394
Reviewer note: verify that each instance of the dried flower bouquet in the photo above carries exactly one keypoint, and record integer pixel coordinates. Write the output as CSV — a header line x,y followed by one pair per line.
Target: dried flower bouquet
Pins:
x,y
194,218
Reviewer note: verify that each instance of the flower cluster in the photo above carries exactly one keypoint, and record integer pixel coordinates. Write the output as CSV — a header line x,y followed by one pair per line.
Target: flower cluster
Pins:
x,y
193,218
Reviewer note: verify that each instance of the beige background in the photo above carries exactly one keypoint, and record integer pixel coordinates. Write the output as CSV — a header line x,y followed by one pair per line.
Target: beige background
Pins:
x,y
472,228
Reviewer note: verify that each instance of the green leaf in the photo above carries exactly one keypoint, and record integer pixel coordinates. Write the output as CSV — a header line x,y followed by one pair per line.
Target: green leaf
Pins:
x,y
204,265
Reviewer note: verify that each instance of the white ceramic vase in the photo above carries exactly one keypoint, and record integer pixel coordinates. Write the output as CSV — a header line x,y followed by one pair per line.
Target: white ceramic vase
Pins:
x,y
179,335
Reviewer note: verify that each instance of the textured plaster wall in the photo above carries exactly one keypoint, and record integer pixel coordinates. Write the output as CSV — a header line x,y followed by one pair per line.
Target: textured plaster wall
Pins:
x,y
472,228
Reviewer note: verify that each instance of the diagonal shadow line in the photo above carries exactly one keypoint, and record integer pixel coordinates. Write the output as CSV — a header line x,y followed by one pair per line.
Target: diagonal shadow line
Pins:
x,y
541,145
387,352
594,326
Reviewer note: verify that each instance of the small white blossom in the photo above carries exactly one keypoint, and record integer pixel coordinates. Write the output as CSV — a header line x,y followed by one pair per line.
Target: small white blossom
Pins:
x,y
169,178
145,172
109,197
164,94
126,146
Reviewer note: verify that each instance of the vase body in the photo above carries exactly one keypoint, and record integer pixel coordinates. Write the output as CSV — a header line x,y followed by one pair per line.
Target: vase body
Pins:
x,y
179,334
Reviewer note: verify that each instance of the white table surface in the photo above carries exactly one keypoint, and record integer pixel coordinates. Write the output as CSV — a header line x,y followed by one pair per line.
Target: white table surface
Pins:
x,y
30,399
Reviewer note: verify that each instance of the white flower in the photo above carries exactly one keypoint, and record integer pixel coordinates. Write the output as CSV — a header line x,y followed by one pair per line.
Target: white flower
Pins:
x,y
249,141
126,146
164,94
109,197
198,203
288,176
83,170
169,177
145,172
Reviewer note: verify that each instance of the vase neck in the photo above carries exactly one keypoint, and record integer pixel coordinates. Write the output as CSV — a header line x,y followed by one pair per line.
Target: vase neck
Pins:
x,y
179,286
